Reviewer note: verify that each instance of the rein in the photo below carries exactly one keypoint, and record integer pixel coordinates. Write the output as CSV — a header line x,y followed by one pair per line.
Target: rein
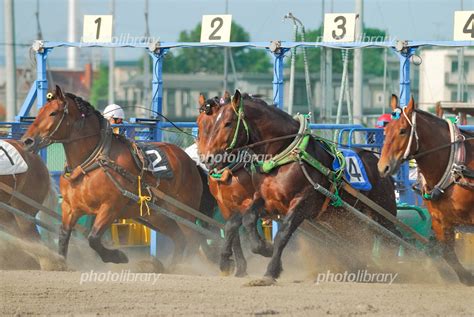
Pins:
x,y
240,120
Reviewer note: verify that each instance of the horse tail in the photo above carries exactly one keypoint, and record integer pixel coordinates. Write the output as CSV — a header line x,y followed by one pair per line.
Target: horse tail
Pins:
x,y
208,202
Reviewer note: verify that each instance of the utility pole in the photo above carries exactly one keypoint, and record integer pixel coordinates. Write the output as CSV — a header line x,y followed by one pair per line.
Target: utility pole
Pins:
x,y
71,35
460,87
322,71
358,65
291,93
9,26
385,100
112,59
146,62
226,55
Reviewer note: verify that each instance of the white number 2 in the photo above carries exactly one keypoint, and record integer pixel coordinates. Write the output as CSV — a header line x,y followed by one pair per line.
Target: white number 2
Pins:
x,y
157,161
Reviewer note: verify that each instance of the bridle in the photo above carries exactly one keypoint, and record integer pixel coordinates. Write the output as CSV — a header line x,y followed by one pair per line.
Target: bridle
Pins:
x,y
240,121
413,134
47,140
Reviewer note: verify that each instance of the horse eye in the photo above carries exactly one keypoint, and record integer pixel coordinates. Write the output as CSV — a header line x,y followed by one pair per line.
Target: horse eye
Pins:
x,y
227,124
52,114
403,131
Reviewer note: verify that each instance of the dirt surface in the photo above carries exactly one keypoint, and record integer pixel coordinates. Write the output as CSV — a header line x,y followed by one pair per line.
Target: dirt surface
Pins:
x,y
45,293
32,283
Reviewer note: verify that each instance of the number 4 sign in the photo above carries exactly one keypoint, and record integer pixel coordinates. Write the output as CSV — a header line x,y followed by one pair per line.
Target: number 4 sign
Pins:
x,y
216,28
464,26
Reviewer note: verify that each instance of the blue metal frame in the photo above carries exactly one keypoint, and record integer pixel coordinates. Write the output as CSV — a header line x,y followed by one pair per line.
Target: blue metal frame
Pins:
x,y
40,87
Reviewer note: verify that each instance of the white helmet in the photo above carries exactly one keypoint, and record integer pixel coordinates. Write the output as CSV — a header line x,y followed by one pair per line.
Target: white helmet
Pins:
x,y
113,111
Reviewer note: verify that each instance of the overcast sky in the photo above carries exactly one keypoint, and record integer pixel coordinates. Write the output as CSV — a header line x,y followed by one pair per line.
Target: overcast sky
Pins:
x,y
404,19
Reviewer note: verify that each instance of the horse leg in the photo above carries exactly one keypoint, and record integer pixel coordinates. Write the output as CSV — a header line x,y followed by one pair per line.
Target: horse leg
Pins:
x,y
452,259
102,222
445,235
257,244
69,219
170,229
287,227
240,262
231,230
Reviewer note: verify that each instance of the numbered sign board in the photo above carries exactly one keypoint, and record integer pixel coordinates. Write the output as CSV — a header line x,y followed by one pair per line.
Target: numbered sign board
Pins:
x,y
339,27
97,29
216,28
464,26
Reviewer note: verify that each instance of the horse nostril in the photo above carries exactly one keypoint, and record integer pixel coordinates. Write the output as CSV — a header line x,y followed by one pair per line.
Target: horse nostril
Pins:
x,y
386,170
28,141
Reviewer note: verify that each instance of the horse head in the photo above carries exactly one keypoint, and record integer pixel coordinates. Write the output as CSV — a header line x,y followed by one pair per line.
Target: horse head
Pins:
x,y
221,125
56,120
400,138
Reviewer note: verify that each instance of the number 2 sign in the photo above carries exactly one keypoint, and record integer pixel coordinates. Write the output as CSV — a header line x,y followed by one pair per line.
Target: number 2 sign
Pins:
x,y
216,28
339,27
97,29
464,26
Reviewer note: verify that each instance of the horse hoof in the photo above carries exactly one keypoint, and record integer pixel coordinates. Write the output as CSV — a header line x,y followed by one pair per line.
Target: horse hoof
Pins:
x,y
468,280
225,273
226,266
267,250
241,274
266,281
116,256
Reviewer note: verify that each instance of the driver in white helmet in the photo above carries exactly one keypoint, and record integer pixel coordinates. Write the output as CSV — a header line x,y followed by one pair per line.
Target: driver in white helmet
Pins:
x,y
114,113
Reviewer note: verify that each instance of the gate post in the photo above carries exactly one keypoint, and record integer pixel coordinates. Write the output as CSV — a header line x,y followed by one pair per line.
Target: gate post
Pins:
x,y
278,88
404,54
157,55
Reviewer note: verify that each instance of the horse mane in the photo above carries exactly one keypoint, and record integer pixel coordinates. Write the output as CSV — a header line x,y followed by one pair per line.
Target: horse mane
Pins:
x,y
266,107
84,106
438,119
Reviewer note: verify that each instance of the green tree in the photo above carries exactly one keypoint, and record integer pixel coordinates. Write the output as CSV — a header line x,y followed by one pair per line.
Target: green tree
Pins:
x,y
211,60
100,85
373,58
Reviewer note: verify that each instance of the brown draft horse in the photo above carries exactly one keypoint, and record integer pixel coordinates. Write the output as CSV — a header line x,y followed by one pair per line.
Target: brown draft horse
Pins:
x,y
430,145
234,193
285,190
36,184
84,133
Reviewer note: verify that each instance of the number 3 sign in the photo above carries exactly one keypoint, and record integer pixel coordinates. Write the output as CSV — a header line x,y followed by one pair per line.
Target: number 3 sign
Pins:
x,y
464,26
216,28
339,27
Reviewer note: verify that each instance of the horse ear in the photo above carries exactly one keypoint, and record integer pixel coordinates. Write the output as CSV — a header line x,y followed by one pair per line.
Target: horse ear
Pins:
x,y
202,99
226,96
394,102
59,93
411,105
236,99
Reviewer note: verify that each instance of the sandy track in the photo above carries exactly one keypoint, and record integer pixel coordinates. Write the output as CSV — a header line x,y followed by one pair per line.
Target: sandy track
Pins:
x,y
40,292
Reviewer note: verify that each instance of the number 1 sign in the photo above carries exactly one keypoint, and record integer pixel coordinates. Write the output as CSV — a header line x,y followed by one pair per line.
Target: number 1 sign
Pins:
x,y
216,28
339,27
97,29
464,26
